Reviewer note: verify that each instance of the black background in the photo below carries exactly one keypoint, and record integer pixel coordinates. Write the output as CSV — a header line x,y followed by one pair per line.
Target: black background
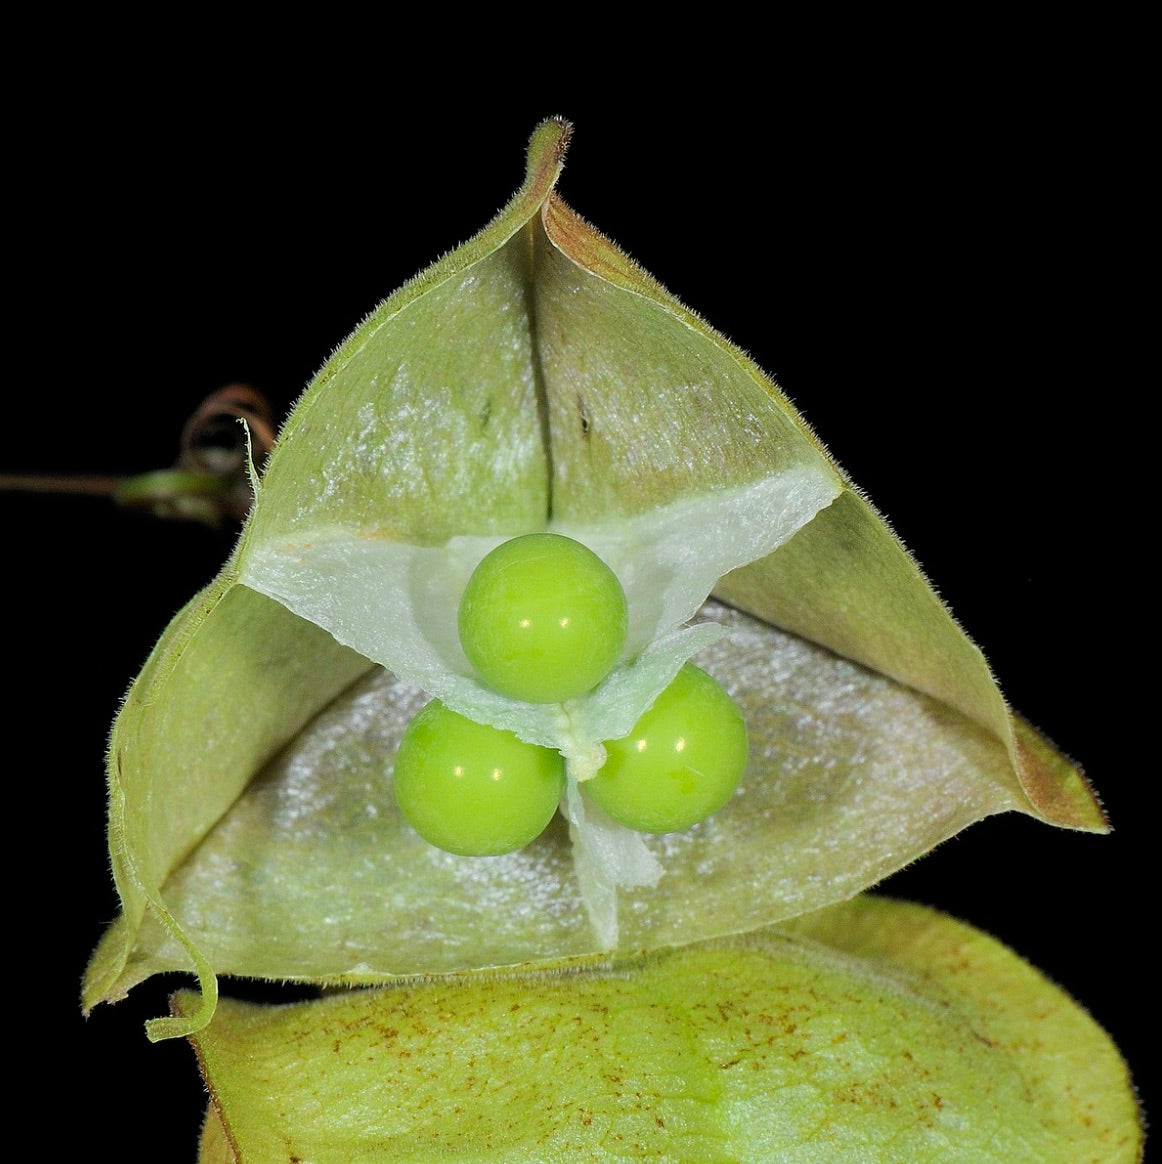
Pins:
x,y
929,270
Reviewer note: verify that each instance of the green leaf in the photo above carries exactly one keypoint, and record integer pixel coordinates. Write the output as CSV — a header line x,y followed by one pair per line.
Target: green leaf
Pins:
x,y
536,379
873,1031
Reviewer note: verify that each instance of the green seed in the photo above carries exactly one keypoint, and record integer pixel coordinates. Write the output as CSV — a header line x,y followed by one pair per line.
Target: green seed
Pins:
x,y
680,764
472,789
543,619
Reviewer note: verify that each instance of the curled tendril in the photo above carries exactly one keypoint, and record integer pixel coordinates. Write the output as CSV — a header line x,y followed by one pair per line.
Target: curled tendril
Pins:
x,y
210,480
212,439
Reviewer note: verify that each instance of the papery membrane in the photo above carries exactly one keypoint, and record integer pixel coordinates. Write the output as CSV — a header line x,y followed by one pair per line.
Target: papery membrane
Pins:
x,y
397,603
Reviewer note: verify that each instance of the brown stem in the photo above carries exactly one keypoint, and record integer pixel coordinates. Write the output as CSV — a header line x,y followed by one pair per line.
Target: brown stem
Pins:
x,y
48,483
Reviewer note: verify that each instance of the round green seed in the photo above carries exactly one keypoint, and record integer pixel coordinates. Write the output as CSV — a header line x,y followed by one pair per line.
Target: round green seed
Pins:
x,y
543,619
680,764
472,789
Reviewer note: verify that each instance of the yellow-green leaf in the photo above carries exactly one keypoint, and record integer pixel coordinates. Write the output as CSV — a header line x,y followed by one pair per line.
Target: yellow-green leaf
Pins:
x,y
536,379
874,1031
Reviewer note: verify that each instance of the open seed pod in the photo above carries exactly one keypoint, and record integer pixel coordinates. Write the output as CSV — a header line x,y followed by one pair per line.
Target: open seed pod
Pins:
x,y
537,380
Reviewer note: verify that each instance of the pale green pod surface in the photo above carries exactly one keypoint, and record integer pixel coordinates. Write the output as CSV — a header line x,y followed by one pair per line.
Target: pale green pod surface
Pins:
x,y
533,380
874,1032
